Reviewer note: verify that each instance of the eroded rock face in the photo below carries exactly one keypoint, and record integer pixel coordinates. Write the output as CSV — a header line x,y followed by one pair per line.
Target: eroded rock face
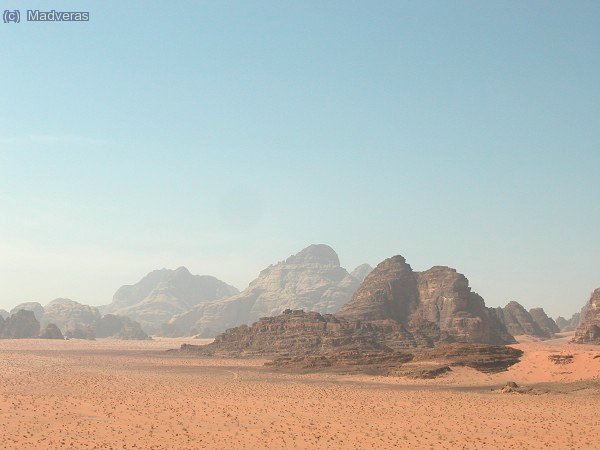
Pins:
x,y
51,332
118,327
519,322
20,325
37,309
163,294
540,317
311,280
437,301
588,331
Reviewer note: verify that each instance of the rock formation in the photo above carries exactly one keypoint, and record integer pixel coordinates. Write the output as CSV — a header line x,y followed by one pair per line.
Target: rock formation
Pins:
x,y
118,327
37,309
311,280
568,325
4,314
297,340
437,302
20,325
69,315
51,332
544,322
518,321
588,331
162,294
361,272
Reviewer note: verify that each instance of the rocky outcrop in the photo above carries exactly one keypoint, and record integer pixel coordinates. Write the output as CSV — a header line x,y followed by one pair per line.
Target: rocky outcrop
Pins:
x,y
519,322
297,340
438,303
311,280
51,332
361,272
20,325
588,331
37,309
570,324
118,327
540,317
69,315
163,294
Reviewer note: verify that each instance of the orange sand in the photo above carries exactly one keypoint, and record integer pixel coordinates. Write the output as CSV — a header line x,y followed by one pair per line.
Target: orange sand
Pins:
x,y
115,394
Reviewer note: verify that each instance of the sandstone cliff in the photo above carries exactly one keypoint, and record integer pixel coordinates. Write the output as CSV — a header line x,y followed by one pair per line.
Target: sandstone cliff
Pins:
x,y
588,332
438,303
311,280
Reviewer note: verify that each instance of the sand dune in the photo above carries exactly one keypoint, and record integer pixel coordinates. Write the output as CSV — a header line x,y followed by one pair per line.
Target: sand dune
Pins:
x,y
124,394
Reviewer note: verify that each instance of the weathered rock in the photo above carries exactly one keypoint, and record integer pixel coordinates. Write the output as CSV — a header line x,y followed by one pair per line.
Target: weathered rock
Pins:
x,y
311,280
20,325
163,294
540,317
51,332
69,315
361,272
519,322
37,309
118,327
588,332
437,302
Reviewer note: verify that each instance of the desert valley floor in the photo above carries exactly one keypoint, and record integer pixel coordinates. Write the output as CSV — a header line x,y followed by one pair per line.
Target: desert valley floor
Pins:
x,y
134,395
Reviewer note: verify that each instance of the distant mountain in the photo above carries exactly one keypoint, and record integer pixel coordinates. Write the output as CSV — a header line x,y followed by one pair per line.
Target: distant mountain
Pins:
x,y
570,324
164,293
518,321
361,272
68,315
546,323
37,309
20,325
312,280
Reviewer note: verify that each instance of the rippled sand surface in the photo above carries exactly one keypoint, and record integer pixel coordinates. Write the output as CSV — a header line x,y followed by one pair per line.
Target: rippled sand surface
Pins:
x,y
133,395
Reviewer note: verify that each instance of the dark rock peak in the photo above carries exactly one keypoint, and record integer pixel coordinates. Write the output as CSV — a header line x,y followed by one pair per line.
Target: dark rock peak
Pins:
x,y
51,332
315,254
20,325
36,307
546,323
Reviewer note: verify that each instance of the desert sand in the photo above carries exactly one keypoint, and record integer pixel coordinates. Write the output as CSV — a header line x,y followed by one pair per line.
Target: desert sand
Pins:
x,y
124,394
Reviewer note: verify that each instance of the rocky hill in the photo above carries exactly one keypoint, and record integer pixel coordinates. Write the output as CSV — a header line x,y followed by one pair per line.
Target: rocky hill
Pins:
x,y
544,322
311,280
518,321
51,332
438,303
163,294
118,327
38,309
22,324
588,331
69,315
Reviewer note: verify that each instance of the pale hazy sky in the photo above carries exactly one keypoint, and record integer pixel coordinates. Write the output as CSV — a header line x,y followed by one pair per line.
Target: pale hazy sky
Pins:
x,y
225,136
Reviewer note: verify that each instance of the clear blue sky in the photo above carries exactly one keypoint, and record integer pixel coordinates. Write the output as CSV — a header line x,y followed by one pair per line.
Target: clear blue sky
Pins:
x,y
225,136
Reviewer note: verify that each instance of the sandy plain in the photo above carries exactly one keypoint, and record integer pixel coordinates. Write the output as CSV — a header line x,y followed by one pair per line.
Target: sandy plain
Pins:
x,y
110,394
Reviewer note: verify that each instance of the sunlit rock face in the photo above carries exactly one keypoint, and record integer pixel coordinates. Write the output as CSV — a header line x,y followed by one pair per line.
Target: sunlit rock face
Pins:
x,y
589,329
